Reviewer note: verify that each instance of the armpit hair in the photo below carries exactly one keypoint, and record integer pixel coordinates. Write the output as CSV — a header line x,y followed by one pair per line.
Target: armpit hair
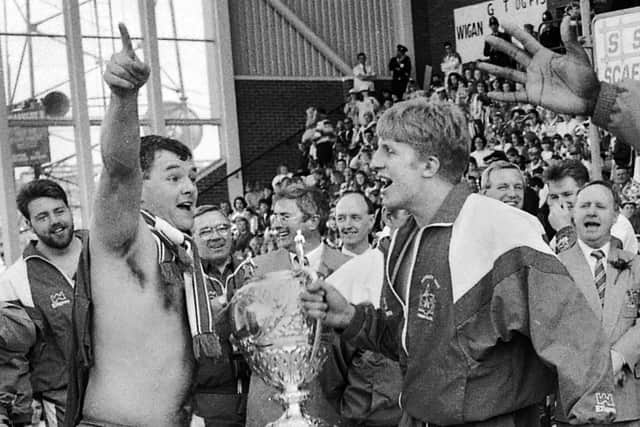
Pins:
x,y
171,286
170,283
136,270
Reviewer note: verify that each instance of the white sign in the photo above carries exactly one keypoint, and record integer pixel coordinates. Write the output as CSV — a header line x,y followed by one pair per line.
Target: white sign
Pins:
x,y
616,45
471,23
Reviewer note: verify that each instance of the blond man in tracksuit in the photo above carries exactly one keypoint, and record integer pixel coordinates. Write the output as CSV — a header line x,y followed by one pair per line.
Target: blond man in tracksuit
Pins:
x,y
484,316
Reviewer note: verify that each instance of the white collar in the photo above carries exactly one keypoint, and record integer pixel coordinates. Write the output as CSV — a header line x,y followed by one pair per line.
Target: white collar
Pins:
x,y
346,251
314,256
588,250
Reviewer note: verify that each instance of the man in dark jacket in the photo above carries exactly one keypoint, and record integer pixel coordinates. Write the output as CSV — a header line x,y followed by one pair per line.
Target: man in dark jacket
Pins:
x,y
42,282
496,57
367,385
484,315
17,336
400,67
221,384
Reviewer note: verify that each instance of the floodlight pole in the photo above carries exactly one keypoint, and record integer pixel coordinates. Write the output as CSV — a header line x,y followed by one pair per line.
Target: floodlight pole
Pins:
x,y
8,208
79,107
594,131
152,57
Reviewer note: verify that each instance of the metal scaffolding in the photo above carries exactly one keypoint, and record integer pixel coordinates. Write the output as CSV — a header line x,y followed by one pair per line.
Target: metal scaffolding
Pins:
x,y
19,70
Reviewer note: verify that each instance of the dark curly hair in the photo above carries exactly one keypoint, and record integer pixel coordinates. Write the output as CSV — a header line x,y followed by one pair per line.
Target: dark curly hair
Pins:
x,y
151,144
36,189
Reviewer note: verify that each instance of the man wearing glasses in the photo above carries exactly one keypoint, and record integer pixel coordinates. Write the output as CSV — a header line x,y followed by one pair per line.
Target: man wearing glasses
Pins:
x,y
296,207
221,384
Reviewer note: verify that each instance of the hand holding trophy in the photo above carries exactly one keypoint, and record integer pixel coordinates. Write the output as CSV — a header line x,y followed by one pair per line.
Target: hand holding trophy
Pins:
x,y
281,343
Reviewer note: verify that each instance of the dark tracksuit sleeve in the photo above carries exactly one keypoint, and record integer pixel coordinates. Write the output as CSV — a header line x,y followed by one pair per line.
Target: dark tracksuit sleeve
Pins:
x,y
374,330
224,323
17,336
612,110
565,334
333,378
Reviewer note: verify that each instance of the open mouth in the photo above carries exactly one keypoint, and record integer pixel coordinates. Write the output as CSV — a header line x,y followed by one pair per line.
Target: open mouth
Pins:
x,y
384,182
185,206
283,233
348,232
591,225
216,244
58,230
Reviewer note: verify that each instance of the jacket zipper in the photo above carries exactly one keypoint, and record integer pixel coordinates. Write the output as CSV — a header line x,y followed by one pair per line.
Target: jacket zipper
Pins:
x,y
405,306
66,278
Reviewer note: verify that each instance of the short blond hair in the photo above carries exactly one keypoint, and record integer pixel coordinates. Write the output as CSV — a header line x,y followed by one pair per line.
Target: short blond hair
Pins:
x,y
432,128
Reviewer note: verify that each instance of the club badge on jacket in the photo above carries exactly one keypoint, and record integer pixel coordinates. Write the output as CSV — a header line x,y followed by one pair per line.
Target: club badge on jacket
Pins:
x,y
427,303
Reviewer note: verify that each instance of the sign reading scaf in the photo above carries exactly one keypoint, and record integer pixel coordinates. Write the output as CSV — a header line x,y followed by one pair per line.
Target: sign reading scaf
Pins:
x,y
472,22
616,45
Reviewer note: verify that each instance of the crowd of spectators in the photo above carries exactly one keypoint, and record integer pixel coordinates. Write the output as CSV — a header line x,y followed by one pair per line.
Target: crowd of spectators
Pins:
x,y
525,156
335,153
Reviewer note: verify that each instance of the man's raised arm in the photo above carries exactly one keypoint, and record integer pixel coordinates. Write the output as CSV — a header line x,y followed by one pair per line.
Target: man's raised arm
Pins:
x,y
115,218
567,83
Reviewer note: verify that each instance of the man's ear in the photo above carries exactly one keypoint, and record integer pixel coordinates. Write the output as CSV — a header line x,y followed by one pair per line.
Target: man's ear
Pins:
x,y
28,222
372,221
431,167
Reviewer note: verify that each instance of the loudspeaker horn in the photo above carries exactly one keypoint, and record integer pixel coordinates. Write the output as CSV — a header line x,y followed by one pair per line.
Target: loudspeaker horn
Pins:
x,y
56,104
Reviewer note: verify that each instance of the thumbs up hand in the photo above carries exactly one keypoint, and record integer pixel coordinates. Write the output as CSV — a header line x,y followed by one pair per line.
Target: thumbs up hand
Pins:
x,y
125,73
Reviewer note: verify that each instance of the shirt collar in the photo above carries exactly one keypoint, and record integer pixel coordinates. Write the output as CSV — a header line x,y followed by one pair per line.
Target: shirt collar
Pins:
x,y
587,250
228,268
452,205
314,256
350,253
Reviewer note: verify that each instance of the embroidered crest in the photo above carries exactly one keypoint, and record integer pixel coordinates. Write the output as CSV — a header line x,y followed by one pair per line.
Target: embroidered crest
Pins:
x,y
633,298
427,303
59,299
604,402
562,244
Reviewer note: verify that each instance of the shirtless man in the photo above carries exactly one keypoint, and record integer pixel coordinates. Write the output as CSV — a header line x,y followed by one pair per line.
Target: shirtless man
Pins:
x,y
143,359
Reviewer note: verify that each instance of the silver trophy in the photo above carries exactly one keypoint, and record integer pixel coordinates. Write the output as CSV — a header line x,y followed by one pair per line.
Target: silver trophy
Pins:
x,y
285,352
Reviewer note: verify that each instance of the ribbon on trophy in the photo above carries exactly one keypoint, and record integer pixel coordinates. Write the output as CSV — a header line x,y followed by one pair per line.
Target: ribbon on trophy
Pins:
x,y
299,242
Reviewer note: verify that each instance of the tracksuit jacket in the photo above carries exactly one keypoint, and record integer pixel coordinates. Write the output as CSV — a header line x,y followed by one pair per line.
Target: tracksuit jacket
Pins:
x,y
46,294
222,384
17,336
489,321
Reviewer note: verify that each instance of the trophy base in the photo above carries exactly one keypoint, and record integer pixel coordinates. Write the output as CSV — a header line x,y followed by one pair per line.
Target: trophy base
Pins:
x,y
293,415
301,421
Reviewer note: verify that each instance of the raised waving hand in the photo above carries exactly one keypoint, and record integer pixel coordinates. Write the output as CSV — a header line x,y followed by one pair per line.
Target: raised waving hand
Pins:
x,y
563,83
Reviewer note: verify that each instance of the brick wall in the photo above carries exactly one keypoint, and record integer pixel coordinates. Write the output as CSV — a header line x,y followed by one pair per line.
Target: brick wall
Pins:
x,y
212,189
271,116
272,113
433,25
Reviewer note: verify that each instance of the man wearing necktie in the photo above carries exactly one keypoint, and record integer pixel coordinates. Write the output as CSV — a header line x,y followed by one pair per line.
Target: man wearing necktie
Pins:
x,y
305,209
609,277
